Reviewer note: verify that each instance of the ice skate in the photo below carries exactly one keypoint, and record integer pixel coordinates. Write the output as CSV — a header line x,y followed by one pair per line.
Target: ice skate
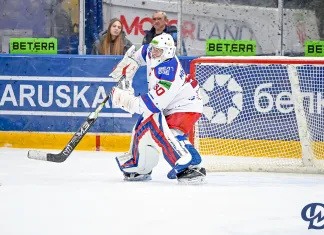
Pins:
x,y
192,175
137,177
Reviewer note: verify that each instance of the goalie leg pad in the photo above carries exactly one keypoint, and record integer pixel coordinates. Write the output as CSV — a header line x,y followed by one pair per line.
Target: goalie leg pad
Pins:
x,y
158,130
144,160
144,152
148,140
150,135
127,158
194,159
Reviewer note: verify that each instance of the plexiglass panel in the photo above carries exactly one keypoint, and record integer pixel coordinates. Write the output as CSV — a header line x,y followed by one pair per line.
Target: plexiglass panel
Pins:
x,y
40,19
303,20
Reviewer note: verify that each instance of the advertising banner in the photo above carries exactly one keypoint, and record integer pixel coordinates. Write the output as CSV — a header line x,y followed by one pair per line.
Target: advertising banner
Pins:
x,y
57,93
241,98
204,20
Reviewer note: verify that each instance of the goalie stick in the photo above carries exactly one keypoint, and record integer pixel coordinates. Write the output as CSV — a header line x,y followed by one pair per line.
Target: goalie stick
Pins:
x,y
77,137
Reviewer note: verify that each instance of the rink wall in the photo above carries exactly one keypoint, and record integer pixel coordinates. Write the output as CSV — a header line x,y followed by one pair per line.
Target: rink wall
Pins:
x,y
45,99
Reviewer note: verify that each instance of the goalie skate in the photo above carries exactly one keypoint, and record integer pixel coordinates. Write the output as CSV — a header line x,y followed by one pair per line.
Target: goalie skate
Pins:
x,y
137,177
192,175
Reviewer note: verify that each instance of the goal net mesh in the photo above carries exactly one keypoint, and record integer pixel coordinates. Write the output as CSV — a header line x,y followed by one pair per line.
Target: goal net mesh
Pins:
x,y
250,122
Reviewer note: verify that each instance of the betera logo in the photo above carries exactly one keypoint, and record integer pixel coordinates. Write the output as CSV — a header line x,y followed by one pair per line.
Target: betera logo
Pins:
x,y
222,97
314,214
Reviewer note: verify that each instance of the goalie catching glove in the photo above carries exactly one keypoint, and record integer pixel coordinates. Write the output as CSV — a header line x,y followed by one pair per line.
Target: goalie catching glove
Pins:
x,y
127,66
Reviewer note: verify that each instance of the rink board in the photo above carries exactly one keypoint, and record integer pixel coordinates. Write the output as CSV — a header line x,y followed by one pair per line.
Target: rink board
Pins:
x,y
45,99
91,141
121,142
258,148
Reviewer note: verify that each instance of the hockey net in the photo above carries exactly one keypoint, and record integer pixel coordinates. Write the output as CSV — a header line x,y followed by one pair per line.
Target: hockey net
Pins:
x,y
261,113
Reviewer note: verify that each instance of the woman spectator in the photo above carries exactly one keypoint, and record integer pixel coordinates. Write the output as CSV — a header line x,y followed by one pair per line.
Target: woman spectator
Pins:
x,y
113,41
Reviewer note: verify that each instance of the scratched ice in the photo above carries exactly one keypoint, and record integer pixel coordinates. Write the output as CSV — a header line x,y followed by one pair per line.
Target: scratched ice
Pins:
x,y
87,195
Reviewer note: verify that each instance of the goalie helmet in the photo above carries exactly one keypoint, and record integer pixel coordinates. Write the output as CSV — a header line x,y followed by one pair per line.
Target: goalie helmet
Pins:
x,y
163,42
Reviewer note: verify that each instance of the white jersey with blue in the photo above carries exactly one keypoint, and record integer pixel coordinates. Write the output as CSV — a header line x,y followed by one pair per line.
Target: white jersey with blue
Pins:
x,y
168,89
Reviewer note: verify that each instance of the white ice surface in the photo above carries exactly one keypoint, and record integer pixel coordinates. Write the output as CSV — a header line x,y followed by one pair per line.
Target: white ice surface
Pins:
x,y
86,195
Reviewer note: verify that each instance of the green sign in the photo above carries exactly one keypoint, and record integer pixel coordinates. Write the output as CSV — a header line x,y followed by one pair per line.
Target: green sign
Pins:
x,y
216,47
33,46
166,84
314,48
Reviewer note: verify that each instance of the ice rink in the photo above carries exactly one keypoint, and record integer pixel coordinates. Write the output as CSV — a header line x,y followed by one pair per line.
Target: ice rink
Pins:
x,y
86,195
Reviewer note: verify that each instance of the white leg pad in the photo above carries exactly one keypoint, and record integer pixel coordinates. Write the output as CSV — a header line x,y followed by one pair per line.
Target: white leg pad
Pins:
x,y
148,141
148,156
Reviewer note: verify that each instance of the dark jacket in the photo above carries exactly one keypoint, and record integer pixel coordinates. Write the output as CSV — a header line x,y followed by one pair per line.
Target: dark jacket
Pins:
x,y
172,30
150,34
96,45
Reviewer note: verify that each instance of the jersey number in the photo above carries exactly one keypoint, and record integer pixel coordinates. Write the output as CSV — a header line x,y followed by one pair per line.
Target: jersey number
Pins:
x,y
159,90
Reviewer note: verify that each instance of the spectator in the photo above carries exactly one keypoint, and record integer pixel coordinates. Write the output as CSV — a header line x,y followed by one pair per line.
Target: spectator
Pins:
x,y
160,21
113,41
160,26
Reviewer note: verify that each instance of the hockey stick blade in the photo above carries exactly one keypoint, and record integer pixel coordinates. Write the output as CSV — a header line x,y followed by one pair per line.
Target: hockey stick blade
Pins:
x,y
65,153
75,140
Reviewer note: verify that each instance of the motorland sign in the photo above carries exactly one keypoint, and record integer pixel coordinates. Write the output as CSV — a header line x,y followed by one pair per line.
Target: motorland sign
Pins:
x,y
202,21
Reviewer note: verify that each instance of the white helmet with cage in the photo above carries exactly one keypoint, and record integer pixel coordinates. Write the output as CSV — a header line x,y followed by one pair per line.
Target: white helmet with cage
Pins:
x,y
163,42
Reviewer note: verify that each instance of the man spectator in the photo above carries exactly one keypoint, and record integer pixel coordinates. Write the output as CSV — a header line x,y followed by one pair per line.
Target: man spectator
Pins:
x,y
160,25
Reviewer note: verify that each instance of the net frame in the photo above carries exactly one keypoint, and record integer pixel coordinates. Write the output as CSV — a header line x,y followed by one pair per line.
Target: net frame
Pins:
x,y
307,164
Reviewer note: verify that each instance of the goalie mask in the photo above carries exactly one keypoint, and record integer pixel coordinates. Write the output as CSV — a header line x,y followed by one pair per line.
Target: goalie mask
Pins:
x,y
161,49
